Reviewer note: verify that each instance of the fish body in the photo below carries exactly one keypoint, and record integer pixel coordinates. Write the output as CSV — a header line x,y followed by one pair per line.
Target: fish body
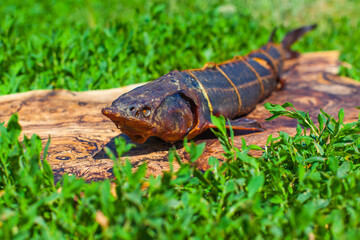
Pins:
x,y
180,103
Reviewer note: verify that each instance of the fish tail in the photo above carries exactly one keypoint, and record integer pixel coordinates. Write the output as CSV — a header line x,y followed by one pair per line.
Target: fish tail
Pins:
x,y
294,36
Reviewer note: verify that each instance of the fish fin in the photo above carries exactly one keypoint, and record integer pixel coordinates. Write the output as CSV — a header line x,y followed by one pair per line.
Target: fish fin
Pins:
x,y
281,83
272,35
292,37
243,124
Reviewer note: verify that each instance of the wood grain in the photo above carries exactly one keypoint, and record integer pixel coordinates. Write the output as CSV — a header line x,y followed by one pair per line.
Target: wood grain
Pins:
x,y
79,131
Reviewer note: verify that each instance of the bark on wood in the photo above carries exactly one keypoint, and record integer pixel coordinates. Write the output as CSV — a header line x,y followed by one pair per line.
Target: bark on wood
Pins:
x,y
79,131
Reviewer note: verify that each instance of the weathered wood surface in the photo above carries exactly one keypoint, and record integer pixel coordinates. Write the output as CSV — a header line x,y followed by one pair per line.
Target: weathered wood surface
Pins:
x,y
79,131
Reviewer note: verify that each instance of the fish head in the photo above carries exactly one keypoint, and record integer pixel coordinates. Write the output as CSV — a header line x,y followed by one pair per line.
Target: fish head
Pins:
x,y
159,108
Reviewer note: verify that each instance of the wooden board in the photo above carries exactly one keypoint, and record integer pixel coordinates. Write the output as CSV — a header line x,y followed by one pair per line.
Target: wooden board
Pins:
x,y
79,131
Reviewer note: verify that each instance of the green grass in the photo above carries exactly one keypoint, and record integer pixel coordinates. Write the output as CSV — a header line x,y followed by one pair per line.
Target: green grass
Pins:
x,y
82,45
305,186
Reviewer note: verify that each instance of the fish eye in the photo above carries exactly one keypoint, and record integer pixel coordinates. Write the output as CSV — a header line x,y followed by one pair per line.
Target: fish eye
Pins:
x,y
146,111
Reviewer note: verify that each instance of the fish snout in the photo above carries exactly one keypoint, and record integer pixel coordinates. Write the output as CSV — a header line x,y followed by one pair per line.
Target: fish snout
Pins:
x,y
133,116
111,113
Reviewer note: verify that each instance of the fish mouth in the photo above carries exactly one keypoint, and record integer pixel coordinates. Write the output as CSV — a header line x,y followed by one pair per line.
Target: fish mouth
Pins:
x,y
138,130
137,138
